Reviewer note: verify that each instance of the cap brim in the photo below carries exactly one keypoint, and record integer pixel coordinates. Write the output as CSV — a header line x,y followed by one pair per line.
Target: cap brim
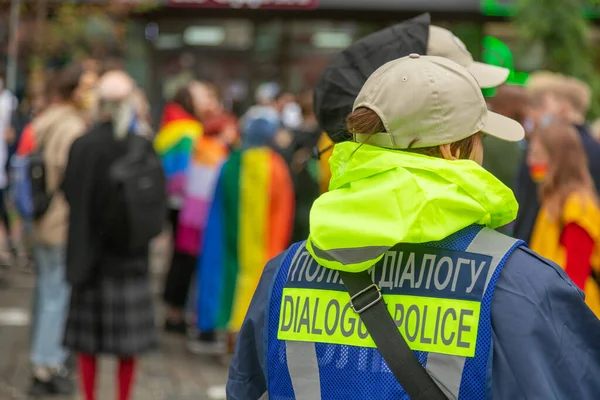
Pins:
x,y
488,76
503,128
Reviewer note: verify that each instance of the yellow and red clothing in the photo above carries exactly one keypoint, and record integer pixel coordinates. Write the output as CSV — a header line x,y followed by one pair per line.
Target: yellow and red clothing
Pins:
x,y
573,242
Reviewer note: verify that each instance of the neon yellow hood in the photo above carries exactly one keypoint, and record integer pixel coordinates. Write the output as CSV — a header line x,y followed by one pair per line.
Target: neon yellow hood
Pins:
x,y
381,197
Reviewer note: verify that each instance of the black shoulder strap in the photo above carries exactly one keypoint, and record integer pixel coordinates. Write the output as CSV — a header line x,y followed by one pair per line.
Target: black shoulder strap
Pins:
x,y
366,300
137,146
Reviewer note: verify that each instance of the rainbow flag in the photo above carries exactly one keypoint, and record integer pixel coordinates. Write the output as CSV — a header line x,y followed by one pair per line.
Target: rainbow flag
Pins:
x,y
209,155
174,143
250,222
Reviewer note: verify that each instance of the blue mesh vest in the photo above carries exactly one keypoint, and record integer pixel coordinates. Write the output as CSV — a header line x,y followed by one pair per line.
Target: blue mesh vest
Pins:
x,y
439,294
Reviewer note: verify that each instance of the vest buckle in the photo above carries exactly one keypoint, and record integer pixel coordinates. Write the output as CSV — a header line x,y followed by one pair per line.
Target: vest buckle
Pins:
x,y
371,289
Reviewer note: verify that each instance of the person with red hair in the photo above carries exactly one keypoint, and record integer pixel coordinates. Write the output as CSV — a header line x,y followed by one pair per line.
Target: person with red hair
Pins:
x,y
567,228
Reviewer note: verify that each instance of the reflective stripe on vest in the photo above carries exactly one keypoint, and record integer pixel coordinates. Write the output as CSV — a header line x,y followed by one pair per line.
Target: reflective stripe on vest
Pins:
x,y
447,370
304,370
350,255
434,294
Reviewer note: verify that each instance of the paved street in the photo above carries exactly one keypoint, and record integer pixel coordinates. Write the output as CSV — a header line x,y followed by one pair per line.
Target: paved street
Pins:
x,y
170,374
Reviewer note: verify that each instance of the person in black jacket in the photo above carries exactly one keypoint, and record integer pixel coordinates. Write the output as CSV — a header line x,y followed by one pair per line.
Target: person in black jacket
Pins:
x,y
553,96
304,166
111,308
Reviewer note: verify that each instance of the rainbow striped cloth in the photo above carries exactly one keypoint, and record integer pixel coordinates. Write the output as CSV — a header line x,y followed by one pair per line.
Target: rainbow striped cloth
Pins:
x,y
250,222
174,143
209,155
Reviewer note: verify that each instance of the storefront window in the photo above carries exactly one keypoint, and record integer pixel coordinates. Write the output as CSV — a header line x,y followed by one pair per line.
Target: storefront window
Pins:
x,y
314,44
239,54
219,51
230,34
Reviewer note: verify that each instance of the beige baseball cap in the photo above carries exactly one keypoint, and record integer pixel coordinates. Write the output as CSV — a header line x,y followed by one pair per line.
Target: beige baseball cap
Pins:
x,y
443,43
429,101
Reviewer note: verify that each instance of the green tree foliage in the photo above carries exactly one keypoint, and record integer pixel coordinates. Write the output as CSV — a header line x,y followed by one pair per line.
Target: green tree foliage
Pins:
x,y
560,27
74,31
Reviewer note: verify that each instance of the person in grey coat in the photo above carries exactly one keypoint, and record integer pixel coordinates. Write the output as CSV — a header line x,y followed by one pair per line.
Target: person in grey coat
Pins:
x,y
111,309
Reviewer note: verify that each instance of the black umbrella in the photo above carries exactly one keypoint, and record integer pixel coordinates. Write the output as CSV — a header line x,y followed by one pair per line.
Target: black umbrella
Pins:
x,y
344,77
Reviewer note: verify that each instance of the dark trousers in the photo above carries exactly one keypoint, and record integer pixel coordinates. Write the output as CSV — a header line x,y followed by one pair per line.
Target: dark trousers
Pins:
x,y
180,273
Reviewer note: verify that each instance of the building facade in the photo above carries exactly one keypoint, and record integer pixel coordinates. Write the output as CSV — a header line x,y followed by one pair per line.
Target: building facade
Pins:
x,y
238,44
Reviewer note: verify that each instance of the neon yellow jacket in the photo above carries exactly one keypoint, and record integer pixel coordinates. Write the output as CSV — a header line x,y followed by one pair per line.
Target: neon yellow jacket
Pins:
x,y
379,197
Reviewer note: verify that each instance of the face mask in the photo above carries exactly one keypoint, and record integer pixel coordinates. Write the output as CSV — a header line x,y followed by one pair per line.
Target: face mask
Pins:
x,y
528,125
546,120
538,172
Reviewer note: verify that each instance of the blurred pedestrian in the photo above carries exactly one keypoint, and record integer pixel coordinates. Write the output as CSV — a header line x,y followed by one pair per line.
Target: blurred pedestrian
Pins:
x,y
8,106
210,151
85,95
180,129
111,310
567,228
40,100
503,158
55,129
250,222
266,94
19,167
217,121
553,97
269,94
290,111
304,166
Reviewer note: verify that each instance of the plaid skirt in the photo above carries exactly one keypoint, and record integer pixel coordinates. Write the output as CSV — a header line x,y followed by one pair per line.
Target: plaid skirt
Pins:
x,y
115,316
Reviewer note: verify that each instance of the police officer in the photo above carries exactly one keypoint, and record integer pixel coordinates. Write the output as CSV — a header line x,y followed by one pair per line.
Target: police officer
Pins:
x,y
410,203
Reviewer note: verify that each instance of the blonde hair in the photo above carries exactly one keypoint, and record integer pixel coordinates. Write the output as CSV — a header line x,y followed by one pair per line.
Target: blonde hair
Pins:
x,y
116,101
120,113
596,129
576,92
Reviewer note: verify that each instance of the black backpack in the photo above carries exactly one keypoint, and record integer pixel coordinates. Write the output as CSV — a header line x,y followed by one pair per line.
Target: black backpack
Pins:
x,y
138,202
36,170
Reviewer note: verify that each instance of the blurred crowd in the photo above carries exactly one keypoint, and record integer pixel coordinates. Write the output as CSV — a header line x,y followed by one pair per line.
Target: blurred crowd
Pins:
x,y
239,189
557,178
